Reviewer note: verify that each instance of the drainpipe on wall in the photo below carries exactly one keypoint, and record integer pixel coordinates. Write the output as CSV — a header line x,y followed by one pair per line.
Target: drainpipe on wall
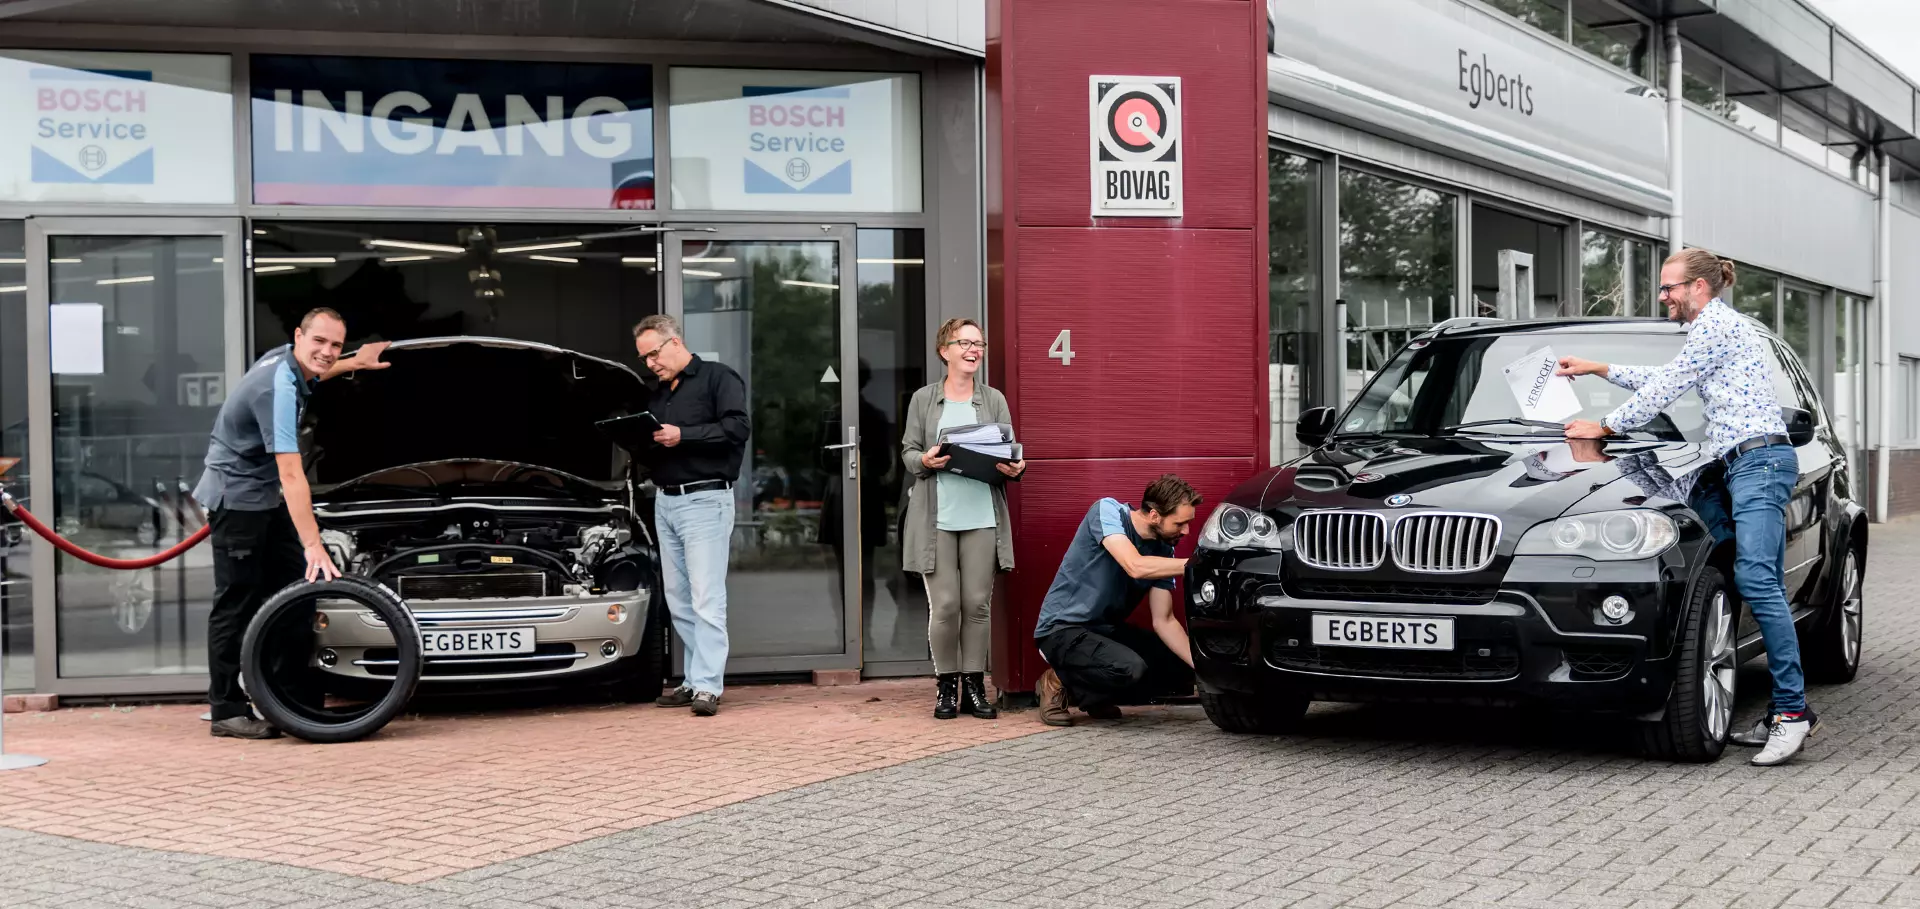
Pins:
x,y
1883,310
1675,241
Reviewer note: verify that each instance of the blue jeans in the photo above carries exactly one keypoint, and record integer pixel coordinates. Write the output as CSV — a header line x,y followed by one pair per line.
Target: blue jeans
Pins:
x,y
696,534
1759,483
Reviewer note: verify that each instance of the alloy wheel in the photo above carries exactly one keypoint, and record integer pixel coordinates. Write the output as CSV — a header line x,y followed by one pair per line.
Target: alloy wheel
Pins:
x,y
1717,670
1851,610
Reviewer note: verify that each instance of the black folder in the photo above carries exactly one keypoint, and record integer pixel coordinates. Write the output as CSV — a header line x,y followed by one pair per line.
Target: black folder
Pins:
x,y
969,462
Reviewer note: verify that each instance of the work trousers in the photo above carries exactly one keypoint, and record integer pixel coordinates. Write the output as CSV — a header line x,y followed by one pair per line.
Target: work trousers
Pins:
x,y
1123,665
696,538
959,596
1748,503
255,554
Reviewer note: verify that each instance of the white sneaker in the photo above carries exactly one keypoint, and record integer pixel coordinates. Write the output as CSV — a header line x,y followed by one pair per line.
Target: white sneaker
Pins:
x,y
1785,738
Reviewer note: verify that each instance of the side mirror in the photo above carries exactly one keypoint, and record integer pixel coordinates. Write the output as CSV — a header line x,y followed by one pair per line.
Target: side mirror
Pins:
x,y
1314,425
1800,425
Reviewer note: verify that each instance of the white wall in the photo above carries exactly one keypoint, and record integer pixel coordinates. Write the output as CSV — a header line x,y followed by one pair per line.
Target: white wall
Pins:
x,y
1765,206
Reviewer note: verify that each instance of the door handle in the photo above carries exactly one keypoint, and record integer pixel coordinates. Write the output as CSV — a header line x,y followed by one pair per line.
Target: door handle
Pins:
x,y
838,447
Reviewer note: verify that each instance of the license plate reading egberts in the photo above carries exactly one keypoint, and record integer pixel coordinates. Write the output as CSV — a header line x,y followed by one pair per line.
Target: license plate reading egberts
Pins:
x,y
449,642
1384,632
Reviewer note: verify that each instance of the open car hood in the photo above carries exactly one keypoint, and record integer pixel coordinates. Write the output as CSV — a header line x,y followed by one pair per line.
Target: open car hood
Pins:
x,y
473,399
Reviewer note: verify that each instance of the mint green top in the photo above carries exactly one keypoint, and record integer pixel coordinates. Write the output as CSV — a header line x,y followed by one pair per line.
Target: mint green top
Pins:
x,y
964,502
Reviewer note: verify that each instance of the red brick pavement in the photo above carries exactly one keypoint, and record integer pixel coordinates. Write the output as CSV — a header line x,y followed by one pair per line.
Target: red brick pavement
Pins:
x,y
432,795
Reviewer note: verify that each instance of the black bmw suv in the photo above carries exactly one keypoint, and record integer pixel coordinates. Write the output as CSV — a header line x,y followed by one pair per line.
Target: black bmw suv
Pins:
x,y
1434,545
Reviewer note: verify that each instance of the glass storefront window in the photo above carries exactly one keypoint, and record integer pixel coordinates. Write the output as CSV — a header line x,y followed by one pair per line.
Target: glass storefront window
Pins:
x,y
1601,29
1752,105
1754,293
793,140
1549,16
1497,236
16,572
893,345
1293,295
376,131
129,439
1618,276
1803,133
578,286
1702,81
1799,312
1397,272
113,127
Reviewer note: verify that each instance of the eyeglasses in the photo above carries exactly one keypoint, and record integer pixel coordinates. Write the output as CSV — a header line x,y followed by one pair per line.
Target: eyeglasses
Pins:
x,y
1666,289
967,344
654,354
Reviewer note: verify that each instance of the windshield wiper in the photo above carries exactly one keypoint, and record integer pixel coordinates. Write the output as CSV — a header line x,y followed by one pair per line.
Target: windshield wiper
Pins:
x,y
1506,421
1383,433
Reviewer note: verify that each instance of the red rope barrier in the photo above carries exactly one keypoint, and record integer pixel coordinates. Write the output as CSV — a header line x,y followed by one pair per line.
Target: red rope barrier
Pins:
x,y
26,517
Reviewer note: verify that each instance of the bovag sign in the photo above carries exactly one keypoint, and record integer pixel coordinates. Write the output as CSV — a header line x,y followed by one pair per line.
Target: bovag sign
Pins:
x,y
362,131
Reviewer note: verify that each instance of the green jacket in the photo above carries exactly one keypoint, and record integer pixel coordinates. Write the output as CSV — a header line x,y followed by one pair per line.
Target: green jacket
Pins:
x,y
920,535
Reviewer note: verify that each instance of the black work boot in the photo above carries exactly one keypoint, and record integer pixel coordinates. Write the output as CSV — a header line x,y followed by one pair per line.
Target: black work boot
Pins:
x,y
946,704
973,696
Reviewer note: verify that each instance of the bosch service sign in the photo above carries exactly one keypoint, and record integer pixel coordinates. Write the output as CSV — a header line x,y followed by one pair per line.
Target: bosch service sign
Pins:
x,y
1136,146
88,127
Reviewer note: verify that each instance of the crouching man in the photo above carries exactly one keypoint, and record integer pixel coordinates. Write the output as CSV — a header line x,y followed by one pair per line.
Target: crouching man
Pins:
x,y
1118,555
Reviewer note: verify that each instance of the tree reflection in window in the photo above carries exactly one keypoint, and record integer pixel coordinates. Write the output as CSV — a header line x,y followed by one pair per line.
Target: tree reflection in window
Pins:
x,y
1397,270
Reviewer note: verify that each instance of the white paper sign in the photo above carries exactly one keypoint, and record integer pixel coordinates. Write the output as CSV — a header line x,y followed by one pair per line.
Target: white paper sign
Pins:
x,y
79,335
1541,394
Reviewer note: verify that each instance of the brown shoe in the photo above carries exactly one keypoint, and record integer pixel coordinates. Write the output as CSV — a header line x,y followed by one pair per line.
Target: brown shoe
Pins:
x,y
1053,700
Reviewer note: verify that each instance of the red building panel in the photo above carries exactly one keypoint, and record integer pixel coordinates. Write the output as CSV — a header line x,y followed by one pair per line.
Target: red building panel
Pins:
x,y
1204,42
1167,316
1152,363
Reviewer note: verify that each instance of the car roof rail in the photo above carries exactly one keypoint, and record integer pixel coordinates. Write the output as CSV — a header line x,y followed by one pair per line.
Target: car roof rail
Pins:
x,y
1446,325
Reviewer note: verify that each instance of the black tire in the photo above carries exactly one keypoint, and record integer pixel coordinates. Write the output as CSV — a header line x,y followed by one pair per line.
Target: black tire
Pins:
x,y
1695,724
643,676
280,680
1832,651
1259,714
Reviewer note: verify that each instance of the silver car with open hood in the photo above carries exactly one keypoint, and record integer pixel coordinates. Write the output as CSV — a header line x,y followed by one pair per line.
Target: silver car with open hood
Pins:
x,y
471,479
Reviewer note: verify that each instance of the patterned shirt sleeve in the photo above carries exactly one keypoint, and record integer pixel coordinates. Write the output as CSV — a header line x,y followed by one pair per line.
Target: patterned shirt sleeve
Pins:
x,y
1628,377
1662,385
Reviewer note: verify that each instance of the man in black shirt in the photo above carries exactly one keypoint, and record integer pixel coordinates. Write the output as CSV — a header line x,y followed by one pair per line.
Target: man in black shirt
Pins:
x,y
702,409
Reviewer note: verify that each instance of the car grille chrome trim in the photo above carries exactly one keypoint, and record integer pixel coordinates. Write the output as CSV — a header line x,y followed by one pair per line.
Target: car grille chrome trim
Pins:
x,y
524,658
1429,542
1445,542
1340,540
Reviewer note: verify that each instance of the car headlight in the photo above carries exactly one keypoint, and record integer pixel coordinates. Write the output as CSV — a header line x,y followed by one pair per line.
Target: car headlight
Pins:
x,y
1633,533
1233,527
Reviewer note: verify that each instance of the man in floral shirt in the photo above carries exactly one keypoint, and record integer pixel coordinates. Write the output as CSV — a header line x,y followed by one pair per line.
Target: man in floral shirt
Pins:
x,y
1725,358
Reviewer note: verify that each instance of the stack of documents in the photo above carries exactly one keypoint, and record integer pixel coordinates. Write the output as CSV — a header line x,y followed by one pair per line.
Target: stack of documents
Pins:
x,y
974,451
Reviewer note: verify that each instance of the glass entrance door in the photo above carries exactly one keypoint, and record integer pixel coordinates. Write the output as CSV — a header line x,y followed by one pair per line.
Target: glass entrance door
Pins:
x,y
777,305
134,333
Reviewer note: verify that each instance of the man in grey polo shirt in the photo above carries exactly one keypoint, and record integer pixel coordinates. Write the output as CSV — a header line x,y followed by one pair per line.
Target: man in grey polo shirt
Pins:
x,y
257,500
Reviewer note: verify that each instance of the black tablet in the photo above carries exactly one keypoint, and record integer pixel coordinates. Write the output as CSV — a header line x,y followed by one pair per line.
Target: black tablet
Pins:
x,y
644,421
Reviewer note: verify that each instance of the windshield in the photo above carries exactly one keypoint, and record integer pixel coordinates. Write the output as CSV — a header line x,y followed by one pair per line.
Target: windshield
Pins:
x,y
1447,382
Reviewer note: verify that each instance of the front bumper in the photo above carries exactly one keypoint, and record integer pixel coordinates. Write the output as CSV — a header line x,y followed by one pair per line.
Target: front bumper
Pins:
x,y
571,637
1537,637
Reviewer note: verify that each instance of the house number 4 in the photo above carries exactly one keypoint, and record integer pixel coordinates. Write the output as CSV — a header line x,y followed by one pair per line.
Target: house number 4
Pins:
x,y
1062,348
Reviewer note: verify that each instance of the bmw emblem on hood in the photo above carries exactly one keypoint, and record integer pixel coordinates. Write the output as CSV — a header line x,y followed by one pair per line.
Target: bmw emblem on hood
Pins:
x,y
1398,499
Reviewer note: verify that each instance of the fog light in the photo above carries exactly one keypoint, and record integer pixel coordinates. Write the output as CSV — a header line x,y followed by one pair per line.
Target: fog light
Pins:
x,y
609,649
319,621
616,613
1207,593
328,658
1614,607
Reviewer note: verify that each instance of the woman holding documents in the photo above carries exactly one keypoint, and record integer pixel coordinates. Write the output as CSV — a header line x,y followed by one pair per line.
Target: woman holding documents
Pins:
x,y
959,449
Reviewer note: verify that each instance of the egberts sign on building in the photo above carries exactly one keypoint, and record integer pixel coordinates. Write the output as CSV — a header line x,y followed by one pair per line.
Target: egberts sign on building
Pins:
x,y
1135,156
357,131
87,127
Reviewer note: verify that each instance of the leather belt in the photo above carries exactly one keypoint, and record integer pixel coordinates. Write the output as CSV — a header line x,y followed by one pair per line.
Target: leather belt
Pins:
x,y
1753,443
696,486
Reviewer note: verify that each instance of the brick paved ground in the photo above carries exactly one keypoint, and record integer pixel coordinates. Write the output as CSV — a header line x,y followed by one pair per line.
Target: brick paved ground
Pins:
x,y
1375,807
